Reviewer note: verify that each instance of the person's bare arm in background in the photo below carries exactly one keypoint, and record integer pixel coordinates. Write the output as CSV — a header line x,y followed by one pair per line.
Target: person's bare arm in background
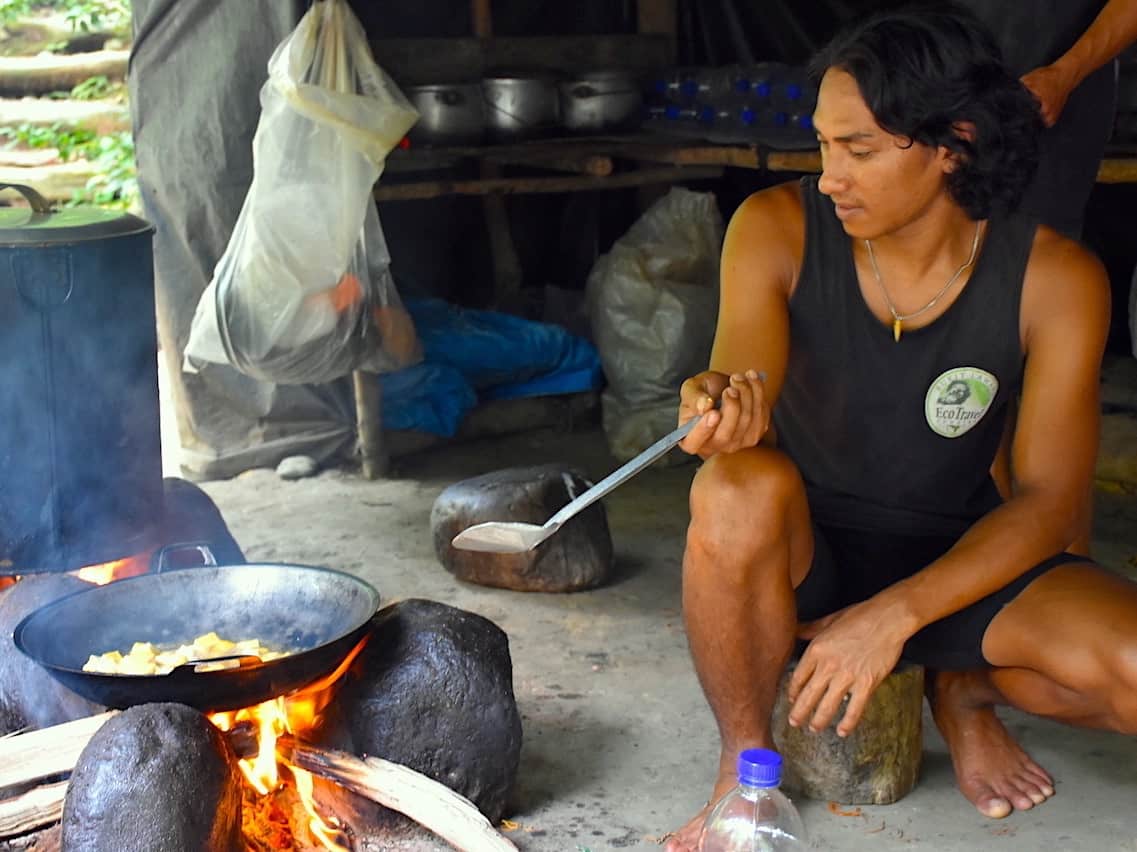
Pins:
x,y
1113,30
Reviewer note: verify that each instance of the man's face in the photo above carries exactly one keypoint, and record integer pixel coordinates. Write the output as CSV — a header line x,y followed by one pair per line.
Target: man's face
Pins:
x,y
879,183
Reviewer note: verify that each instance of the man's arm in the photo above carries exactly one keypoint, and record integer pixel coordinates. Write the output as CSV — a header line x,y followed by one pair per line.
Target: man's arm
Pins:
x,y
760,259
1065,323
1113,30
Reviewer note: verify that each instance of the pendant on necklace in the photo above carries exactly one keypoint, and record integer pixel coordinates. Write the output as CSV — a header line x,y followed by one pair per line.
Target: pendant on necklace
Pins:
x,y
896,329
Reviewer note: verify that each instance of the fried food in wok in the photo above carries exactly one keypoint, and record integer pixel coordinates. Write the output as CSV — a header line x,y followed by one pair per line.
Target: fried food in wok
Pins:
x,y
144,658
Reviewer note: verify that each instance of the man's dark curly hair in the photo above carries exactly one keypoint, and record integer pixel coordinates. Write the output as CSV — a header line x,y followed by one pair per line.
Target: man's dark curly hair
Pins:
x,y
924,70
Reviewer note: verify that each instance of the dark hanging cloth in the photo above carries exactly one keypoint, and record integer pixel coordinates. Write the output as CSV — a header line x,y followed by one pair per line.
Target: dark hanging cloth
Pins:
x,y
196,70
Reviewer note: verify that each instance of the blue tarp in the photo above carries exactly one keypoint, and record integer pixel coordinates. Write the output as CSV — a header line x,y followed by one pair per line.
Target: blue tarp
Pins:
x,y
470,355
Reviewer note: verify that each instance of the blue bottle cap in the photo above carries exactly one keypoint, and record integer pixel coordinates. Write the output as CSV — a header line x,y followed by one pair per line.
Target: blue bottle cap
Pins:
x,y
707,114
762,88
689,88
747,116
672,112
793,91
759,767
781,119
741,86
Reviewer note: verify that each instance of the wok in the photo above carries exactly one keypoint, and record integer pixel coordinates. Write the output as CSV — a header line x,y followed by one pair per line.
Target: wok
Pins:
x,y
316,615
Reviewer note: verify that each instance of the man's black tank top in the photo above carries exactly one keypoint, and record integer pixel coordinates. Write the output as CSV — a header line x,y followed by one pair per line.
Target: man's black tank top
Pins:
x,y
899,436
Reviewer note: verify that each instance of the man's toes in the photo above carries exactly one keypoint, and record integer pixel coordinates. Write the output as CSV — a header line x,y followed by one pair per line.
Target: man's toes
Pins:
x,y
1023,801
992,805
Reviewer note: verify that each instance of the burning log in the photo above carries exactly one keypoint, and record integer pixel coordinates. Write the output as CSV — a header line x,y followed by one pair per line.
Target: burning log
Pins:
x,y
435,806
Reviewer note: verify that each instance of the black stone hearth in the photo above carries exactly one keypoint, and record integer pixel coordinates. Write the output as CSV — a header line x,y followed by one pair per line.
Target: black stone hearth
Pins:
x,y
155,777
433,690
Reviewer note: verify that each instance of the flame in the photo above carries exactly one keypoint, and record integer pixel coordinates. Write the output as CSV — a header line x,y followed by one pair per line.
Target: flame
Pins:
x,y
293,714
107,572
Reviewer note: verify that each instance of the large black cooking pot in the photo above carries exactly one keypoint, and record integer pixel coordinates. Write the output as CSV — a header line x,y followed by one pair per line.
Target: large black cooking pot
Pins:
x,y
80,446
315,614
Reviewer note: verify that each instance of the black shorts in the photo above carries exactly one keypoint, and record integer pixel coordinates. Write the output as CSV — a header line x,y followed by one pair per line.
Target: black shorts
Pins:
x,y
850,566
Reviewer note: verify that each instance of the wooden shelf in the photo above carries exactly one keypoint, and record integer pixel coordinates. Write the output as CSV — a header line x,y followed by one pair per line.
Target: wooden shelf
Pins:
x,y
595,163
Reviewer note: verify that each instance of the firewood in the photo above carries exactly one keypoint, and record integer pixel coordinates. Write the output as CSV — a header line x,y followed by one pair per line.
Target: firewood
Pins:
x,y
48,751
35,808
30,756
429,803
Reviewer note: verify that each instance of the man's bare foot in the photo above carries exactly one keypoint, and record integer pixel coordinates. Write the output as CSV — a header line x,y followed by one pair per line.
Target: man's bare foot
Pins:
x,y
992,770
686,839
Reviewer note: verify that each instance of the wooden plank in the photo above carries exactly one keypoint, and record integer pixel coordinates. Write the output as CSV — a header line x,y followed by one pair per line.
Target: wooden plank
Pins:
x,y
48,751
537,185
447,60
1118,170
36,808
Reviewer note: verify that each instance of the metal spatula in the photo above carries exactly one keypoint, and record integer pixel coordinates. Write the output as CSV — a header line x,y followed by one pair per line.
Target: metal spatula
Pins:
x,y
516,537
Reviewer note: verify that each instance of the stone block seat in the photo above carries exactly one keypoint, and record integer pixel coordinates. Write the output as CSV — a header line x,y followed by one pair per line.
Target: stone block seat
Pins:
x,y
877,764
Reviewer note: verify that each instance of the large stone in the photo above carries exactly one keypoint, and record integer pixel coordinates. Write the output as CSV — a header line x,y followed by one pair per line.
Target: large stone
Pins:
x,y
191,517
29,696
433,690
157,776
578,556
877,764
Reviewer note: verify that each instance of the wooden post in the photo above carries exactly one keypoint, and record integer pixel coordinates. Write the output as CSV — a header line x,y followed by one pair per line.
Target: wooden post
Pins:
x,y
659,17
369,424
507,273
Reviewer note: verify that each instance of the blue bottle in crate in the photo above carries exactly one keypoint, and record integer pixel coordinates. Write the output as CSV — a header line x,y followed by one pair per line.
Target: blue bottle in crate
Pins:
x,y
675,85
762,78
792,92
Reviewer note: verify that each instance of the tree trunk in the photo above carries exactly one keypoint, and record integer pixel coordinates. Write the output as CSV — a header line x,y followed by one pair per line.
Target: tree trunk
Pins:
x,y
38,75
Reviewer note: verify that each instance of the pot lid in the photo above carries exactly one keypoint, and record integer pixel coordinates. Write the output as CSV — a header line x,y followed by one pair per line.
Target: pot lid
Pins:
x,y
42,224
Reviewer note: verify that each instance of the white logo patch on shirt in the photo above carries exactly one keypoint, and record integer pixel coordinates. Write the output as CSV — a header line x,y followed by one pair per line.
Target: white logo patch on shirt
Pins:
x,y
958,399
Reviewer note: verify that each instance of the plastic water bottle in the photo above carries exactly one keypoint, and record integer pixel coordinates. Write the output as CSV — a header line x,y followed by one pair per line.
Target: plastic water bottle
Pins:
x,y
762,79
720,85
676,85
755,816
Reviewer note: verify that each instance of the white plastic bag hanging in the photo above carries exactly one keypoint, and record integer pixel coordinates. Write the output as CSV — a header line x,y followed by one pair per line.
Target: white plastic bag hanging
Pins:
x,y
303,293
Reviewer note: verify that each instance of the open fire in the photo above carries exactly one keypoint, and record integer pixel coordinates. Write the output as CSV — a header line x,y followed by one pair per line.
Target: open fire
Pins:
x,y
294,715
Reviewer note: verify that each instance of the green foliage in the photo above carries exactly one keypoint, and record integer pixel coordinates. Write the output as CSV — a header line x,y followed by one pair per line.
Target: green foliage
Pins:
x,y
114,183
112,155
83,15
70,140
92,88
89,15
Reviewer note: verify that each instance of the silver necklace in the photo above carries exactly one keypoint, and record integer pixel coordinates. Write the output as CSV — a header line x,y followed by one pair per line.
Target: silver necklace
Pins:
x,y
899,319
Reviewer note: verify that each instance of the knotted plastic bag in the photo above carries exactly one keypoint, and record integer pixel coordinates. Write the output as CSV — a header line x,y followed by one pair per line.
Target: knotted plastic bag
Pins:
x,y
303,293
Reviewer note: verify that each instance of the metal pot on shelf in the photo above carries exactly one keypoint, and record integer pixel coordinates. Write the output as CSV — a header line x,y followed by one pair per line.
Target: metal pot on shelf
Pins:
x,y
449,113
599,101
521,105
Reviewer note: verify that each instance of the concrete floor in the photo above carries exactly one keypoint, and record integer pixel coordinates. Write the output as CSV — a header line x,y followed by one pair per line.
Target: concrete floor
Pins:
x,y
619,745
